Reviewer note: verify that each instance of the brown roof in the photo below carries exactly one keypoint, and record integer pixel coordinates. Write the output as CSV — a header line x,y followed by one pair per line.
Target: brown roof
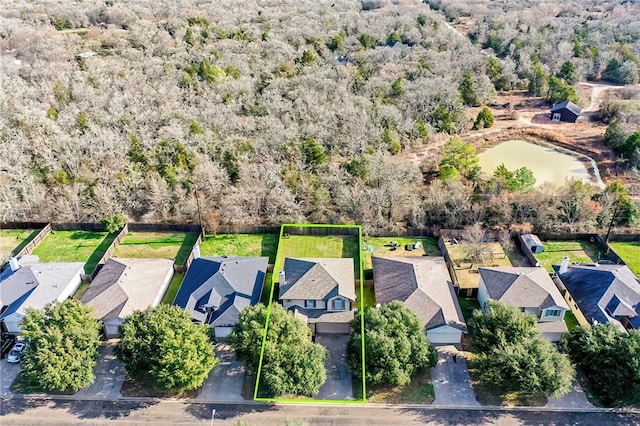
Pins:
x,y
423,284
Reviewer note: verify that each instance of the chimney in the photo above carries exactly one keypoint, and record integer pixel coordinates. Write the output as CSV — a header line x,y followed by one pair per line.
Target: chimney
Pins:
x,y
564,266
196,251
281,278
14,264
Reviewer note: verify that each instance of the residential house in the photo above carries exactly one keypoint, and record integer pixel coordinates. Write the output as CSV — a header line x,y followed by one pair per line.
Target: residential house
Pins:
x,y
29,283
123,286
321,292
532,290
424,285
602,293
216,290
565,111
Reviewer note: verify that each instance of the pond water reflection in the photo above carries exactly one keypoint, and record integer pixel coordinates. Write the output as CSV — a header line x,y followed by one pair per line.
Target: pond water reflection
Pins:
x,y
548,163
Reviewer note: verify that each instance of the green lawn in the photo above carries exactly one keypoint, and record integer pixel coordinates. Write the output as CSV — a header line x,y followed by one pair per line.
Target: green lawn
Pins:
x,y
163,245
13,240
241,245
630,254
368,295
570,320
173,288
304,246
379,245
468,305
75,246
576,251
419,391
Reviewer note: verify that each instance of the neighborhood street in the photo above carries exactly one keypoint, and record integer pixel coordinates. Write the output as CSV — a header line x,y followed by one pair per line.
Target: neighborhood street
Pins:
x,y
59,411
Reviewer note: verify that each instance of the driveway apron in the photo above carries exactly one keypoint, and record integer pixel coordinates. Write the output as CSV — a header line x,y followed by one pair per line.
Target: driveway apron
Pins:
x,y
451,382
225,380
338,384
110,374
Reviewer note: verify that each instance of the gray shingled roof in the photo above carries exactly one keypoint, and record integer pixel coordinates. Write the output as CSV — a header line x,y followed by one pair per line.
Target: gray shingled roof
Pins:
x,y
522,287
423,284
124,285
568,105
228,283
318,279
598,287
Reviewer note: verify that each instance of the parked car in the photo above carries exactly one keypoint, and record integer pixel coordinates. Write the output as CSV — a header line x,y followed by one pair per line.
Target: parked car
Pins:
x,y
7,341
17,351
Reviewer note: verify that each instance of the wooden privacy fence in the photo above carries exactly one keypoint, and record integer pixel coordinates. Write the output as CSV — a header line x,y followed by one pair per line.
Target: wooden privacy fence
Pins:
x,y
183,268
28,249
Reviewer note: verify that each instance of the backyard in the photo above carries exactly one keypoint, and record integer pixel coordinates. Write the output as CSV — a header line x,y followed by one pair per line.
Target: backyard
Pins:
x,y
630,254
75,246
466,270
164,245
241,245
13,240
576,251
382,247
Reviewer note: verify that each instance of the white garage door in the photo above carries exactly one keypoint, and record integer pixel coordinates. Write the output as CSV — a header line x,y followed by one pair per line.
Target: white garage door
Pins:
x,y
332,328
222,332
444,335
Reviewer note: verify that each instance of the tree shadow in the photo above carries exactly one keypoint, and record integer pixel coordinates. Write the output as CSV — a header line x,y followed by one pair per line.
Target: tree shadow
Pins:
x,y
185,248
97,254
269,246
82,409
203,411
463,416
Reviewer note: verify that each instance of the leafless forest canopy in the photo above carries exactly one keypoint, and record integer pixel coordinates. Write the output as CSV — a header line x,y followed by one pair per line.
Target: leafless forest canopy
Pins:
x,y
271,111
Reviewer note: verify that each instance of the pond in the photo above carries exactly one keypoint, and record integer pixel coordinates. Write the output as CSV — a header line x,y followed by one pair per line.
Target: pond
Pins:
x,y
548,163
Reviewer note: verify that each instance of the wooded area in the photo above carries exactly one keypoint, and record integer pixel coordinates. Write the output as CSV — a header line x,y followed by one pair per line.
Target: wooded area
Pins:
x,y
264,112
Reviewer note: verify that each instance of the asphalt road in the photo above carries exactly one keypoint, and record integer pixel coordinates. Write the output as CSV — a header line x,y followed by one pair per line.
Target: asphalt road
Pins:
x,y
18,411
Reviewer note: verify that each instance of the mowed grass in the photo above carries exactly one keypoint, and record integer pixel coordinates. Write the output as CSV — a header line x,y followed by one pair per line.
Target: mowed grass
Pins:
x,y
241,245
381,248
576,251
161,245
630,254
75,246
368,297
173,288
13,240
304,246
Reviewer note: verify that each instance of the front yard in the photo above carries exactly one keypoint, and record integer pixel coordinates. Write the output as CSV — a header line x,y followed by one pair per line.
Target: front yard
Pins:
x,y
75,246
576,251
630,254
419,391
164,245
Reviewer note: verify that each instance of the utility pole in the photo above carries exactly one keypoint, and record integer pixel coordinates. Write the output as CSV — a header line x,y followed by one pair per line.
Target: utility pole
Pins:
x,y
613,217
195,187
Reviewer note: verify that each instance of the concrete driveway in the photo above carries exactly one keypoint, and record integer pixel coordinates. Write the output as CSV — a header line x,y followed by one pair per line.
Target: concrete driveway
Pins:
x,y
451,383
8,374
338,384
110,374
576,398
224,383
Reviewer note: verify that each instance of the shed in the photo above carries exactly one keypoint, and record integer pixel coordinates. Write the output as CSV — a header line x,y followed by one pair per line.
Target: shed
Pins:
x,y
565,111
533,243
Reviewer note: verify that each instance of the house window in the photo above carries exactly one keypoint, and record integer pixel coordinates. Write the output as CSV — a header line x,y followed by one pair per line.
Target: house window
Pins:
x,y
556,116
309,303
338,305
553,312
